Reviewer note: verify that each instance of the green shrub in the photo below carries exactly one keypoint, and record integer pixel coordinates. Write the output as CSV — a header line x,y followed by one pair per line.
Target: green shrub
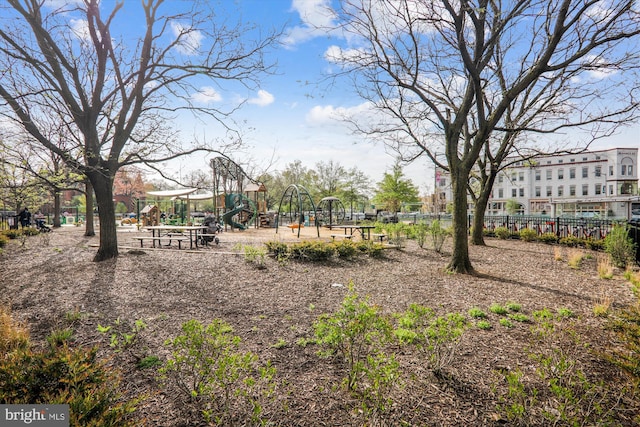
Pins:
x,y
30,231
594,245
373,249
225,384
437,337
619,246
438,235
13,234
355,332
61,375
548,238
497,309
502,233
312,251
528,235
572,241
420,231
3,240
477,313
345,249
280,250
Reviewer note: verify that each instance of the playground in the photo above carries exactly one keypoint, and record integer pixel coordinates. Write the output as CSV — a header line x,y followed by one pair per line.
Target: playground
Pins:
x,y
273,307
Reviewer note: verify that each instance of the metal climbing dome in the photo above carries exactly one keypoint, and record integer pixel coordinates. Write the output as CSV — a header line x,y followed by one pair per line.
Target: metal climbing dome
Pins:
x,y
296,209
330,211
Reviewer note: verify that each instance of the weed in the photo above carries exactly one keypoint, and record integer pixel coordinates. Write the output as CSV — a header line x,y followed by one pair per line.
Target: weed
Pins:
x,y
255,255
575,258
602,306
619,246
543,315
476,313
123,338
519,317
506,323
148,362
59,337
438,235
420,233
437,337
565,313
557,254
484,325
282,343
514,306
605,268
73,316
497,309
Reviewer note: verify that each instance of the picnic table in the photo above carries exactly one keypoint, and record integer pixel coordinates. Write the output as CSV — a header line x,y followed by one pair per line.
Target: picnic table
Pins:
x,y
177,233
351,230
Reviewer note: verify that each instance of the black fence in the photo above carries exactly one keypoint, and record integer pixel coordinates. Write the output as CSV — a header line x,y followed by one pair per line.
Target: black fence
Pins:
x,y
634,233
8,220
583,228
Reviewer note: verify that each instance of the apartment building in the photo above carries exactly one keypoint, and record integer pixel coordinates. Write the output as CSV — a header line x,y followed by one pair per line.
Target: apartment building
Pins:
x,y
595,183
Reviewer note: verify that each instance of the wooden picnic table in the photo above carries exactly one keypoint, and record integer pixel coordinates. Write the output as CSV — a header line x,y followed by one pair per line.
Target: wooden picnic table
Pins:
x,y
171,231
350,230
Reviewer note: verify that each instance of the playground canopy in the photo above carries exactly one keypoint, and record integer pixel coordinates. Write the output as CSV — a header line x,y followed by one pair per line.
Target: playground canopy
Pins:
x,y
182,193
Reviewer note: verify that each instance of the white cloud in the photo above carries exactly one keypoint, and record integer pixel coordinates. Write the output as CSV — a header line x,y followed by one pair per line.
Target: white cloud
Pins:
x,y
80,28
263,99
206,95
317,20
338,55
189,39
328,114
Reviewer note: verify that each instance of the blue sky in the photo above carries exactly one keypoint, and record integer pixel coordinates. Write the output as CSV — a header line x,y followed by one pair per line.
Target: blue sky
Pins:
x,y
292,114
289,116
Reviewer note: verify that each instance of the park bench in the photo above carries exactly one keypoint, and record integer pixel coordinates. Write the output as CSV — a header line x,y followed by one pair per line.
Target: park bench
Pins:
x,y
343,236
379,236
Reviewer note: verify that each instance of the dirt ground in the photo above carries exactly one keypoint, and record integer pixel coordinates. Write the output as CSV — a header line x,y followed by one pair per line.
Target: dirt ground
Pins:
x,y
272,308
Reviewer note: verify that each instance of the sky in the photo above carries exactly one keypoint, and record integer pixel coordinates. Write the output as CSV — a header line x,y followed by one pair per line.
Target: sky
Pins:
x,y
289,116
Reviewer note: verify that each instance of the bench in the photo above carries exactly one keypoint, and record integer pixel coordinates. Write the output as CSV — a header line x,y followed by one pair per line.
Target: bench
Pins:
x,y
344,236
162,239
379,236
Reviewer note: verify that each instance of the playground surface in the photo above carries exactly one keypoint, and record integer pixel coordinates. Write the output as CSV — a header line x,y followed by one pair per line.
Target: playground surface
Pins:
x,y
272,307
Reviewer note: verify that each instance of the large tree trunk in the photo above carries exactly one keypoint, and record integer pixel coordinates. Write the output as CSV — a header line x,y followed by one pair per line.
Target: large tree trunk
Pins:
x,y
103,187
57,206
477,235
89,229
460,262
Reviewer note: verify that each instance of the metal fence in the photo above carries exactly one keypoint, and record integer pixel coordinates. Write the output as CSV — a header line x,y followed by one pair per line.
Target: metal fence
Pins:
x,y
583,228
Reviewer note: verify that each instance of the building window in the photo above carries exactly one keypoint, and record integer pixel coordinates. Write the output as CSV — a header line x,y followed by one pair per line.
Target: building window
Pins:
x,y
549,176
549,194
538,192
611,190
514,192
572,190
500,178
585,172
514,177
500,193
610,170
572,173
560,173
585,189
630,170
598,189
521,176
537,175
598,171
521,192
624,170
584,159
560,161
560,191
572,160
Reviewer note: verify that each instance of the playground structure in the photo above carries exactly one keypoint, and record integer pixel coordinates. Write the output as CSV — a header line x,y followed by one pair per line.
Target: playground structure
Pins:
x,y
236,196
330,211
298,208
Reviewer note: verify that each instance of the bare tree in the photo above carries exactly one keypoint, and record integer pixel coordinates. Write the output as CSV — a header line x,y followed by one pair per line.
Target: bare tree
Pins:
x,y
115,99
447,76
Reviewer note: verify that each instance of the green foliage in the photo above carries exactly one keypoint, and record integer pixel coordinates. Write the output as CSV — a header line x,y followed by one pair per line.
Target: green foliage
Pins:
x,y
484,325
626,325
372,249
61,375
123,337
477,313
497,309
502,233
393,190
514,306
571,241
225,384
437,337
528,235
420,231
345,249
506,323
438,235
60,337
30,231
519,317
355,332
564,312
619,246
255,255
280,250
312,251
148,362
3,240
594,245
517,402
548,238
13,234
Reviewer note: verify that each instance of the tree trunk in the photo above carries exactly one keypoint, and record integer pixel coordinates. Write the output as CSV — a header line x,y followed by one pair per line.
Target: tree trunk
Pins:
x,y
56,209
89,229
460,262
477,233
103,187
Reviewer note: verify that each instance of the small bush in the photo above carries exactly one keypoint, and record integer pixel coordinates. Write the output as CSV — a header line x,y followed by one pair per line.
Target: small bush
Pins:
x,y
3,240
484,325
514,306
502,233
312,251
497,309
13,234
30,231
280,250
605,269
438,235
373,249
345,249
548,238
575,258
477,313
420,233
528,235
619,246
594,245
571,241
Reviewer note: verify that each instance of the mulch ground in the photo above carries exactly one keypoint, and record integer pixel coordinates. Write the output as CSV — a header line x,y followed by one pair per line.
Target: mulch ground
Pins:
x,y
48,277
